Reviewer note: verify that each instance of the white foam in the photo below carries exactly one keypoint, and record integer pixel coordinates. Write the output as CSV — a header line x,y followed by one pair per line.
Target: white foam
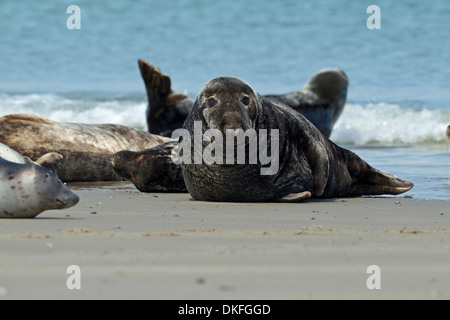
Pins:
x,y
388,124
61,109
380,123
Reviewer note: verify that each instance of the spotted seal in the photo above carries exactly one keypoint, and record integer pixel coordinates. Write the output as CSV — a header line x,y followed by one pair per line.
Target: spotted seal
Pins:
x,y
27,189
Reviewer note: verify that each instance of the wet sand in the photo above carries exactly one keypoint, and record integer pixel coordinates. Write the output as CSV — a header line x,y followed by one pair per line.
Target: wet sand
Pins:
x,y
131,245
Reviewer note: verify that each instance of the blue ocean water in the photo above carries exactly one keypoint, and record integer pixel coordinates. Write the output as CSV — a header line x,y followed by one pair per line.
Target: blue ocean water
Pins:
x,y
398,100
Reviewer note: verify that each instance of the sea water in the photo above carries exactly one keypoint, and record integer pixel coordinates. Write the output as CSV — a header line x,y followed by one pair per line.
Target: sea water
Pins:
x,y
398,102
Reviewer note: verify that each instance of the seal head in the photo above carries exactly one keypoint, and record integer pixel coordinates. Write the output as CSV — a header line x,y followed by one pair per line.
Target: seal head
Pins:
x,y
29,189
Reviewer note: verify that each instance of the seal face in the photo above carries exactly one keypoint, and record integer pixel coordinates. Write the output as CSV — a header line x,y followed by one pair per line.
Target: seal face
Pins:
x,y
28,189
228,104
308,163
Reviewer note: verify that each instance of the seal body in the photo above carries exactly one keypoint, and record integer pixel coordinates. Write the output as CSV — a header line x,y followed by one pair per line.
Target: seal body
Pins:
x,y
308,163
11,155
27,189
85,150
150,170
321,100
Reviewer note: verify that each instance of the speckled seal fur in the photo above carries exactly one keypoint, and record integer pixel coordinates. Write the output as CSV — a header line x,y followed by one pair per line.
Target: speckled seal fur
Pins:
x,y
27,189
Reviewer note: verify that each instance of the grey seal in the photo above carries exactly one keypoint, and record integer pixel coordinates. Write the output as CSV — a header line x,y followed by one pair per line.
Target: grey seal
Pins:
x,y
321,100
309,164
150,170
75,151
27,189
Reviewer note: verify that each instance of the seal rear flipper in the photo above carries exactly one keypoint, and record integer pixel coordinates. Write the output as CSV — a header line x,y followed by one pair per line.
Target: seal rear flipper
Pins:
x,y
167,109
376,182
295,197
155,82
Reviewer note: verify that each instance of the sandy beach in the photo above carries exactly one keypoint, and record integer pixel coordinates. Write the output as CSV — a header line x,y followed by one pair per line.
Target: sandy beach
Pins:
x,y
131,245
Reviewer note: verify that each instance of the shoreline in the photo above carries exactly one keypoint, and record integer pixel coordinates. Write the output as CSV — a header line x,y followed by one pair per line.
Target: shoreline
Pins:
x,y
132,245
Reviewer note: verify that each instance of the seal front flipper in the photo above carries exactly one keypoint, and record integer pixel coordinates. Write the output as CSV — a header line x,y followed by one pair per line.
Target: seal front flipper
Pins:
x,y
316,153
50,161
295,197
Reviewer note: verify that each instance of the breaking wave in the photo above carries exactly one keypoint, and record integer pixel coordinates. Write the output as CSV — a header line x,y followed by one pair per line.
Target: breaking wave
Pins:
x,y
359,124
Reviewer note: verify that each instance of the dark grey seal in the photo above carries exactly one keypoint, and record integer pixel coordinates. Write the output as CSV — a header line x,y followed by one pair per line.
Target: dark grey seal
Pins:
x,y
321,100
309,164
150,170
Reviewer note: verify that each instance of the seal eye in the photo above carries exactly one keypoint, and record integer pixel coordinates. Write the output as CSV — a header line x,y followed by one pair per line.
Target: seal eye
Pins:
x,y
212,102
245,100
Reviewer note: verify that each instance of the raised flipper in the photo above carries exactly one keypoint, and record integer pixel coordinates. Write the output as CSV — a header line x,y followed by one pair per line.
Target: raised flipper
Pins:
x,y
167,109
